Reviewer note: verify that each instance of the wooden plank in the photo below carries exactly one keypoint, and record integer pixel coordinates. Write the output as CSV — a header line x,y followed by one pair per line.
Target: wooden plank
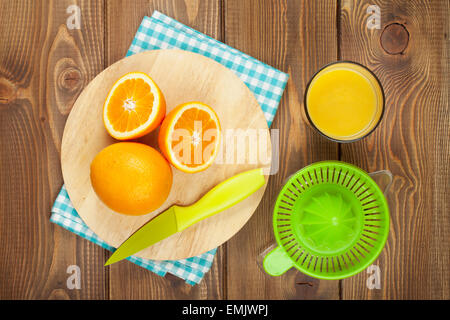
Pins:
x,y
296,37
412,142
128,281
43,68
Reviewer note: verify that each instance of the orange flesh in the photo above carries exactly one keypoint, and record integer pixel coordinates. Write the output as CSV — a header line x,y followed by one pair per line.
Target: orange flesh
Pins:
x,y
187,121
131,105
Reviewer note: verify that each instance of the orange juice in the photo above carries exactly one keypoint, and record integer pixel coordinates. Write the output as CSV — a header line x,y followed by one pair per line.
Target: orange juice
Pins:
x,y
344,101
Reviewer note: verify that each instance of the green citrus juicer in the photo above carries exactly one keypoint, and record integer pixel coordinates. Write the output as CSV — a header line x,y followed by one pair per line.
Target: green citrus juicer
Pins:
x,y
331,221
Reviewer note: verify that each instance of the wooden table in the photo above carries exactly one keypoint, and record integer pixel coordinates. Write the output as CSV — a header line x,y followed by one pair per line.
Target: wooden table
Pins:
x,y
44,65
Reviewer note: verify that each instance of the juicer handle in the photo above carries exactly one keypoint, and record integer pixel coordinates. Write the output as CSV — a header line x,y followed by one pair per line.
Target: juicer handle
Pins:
x,y
277,262
383,179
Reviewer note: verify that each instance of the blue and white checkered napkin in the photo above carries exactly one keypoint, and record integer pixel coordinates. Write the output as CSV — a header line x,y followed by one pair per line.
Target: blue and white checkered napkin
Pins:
x,y
266,83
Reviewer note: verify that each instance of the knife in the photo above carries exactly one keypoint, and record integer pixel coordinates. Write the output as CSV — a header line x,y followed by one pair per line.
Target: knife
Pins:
x,y
176,218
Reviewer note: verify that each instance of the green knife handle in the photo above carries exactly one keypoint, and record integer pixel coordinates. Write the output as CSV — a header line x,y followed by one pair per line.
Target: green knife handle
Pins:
x,y
221,197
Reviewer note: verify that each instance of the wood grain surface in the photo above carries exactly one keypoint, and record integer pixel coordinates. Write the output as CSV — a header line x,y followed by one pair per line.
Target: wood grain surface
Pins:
x,y
412,142
44,66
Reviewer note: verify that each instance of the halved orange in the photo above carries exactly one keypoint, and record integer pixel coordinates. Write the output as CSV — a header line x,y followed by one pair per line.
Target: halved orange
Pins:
x,y
189,137
134,107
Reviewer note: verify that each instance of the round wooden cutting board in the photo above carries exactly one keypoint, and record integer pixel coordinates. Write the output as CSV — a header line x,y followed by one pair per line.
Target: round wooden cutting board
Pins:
x,y
182,77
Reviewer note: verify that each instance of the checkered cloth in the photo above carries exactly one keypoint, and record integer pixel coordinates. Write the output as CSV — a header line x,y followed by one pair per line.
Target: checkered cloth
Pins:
x,y
266,83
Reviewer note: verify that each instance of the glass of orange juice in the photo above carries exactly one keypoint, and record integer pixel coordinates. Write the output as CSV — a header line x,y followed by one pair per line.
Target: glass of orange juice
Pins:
x,y
344,101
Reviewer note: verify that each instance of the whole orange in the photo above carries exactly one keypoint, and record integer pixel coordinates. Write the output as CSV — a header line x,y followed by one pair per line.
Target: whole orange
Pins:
x,y
131,178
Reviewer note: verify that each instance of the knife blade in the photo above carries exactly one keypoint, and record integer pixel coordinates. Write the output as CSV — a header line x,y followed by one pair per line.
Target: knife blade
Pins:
x,y
177,218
